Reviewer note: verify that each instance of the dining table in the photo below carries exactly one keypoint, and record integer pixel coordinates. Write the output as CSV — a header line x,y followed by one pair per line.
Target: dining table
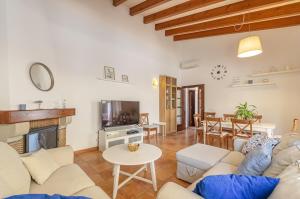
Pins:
x,y
267,128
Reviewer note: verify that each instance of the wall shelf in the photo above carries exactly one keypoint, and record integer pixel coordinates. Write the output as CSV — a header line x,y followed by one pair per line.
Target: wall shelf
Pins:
x,y
115,81
253,85
276,73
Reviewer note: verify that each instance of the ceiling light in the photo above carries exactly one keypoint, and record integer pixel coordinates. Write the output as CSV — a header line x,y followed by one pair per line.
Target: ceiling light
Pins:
x,y
249,47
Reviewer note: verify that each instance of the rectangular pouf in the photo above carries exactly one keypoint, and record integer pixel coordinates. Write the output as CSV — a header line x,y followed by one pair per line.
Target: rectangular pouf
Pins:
x,y
194,161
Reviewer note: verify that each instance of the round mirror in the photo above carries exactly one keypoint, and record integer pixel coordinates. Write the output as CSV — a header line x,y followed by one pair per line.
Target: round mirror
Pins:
x,y
41,76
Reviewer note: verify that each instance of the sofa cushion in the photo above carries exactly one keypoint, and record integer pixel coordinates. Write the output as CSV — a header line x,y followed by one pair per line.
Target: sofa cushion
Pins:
x,y
14,177
235,158
219,169
256,161
92,192
201,156
286,141
289,184
282,160
259,140
236,187
66,180
40,165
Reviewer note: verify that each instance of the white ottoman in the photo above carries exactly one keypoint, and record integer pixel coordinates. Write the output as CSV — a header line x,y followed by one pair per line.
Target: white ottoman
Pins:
x,y
194,161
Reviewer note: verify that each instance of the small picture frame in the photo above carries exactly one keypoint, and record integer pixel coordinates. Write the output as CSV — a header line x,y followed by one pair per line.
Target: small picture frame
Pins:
x,y
109,73
125,78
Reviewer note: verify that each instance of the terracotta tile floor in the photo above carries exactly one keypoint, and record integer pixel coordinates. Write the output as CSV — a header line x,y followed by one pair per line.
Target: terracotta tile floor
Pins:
x,y
101,172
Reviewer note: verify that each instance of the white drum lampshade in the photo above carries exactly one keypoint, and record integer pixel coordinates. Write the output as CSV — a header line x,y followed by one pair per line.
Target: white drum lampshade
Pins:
x,y
249,47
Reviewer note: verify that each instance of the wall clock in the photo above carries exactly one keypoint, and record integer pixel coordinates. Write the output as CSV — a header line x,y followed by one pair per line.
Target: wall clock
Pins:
x,y
219,72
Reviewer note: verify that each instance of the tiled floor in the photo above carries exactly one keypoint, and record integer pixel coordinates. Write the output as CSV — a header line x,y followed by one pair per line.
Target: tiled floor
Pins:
x,y
101,172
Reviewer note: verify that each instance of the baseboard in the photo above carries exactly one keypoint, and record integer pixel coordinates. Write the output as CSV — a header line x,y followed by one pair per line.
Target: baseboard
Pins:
x,y
86,150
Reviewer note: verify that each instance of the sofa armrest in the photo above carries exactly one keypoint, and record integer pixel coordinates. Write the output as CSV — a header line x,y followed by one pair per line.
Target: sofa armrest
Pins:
x,y
62,155
174,191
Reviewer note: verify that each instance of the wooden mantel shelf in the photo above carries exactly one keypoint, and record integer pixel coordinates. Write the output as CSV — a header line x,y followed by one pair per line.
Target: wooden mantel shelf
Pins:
x,y
12,117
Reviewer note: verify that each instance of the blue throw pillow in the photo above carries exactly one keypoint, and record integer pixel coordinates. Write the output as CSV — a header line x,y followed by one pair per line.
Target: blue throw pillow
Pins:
x,y
236,187
45,196
256,161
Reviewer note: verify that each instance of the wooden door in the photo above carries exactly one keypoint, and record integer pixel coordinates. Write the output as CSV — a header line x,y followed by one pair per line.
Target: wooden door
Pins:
x,y
191,107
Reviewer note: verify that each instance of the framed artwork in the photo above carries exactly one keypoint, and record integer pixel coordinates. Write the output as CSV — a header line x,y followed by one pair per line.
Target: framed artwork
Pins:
x,y
109,73
125,78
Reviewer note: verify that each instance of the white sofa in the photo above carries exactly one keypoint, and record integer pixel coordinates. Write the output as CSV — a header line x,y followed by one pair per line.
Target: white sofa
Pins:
x,y
68,180
289,185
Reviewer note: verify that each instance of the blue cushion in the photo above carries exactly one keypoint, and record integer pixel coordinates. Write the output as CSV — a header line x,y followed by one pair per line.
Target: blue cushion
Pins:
x,y
256,161
45,196
236,187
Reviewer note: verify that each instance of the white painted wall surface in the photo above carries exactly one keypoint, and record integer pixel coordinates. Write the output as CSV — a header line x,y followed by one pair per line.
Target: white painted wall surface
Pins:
x,y
76,38
4,86
279,104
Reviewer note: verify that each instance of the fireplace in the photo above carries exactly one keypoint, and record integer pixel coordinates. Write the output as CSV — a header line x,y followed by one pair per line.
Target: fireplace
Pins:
x,y
44,137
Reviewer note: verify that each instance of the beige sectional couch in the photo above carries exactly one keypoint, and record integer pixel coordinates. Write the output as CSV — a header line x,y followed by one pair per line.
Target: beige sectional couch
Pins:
x,y
69,179
289,186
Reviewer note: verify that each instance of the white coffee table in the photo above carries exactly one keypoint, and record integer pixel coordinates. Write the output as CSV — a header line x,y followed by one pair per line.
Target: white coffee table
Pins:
x,y
120,155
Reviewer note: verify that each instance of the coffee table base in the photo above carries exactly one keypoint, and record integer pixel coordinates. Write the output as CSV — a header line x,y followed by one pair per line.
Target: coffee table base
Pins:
x,y
117,172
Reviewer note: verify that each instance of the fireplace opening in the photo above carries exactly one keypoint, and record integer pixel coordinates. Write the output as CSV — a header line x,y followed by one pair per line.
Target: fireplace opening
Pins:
x,y
45,137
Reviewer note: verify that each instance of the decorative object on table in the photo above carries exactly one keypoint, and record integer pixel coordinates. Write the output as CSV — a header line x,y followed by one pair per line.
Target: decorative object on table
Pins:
x,y
39,103
246,187
133,147
22,107
219,72
41,76
154,83
245,111
249,47
125,78
250,81
109,73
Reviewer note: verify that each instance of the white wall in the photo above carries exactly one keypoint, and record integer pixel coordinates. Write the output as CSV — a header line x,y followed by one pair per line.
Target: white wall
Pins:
x,y
4,86
279,104
76,38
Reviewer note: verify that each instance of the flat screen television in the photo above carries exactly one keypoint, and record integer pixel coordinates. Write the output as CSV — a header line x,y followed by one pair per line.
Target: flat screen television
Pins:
x,y
119,113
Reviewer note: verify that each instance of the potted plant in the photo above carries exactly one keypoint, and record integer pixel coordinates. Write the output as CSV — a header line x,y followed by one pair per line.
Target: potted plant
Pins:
x,y
245,111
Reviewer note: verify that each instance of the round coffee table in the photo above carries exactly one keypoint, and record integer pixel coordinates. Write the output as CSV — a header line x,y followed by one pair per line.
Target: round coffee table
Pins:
x,y
120,155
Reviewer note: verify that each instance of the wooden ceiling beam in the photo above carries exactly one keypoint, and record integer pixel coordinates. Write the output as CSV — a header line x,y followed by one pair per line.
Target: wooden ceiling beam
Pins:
x,y
145,5
271,24
179,9
118,2
262,15
235,8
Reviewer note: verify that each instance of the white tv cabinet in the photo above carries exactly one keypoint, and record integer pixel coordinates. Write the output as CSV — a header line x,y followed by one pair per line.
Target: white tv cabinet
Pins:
x,y
118,135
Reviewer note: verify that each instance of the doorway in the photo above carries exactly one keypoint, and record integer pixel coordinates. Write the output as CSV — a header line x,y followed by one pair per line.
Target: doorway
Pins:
x,y
193,103
192,106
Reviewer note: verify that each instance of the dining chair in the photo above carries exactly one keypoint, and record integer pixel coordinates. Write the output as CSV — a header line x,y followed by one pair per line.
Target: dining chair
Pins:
x,y
214,130
198,125
228,117
258,118
242,128
144,122
209,114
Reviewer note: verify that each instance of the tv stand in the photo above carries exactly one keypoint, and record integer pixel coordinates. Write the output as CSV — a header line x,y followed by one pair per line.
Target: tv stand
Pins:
x,y
112,136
